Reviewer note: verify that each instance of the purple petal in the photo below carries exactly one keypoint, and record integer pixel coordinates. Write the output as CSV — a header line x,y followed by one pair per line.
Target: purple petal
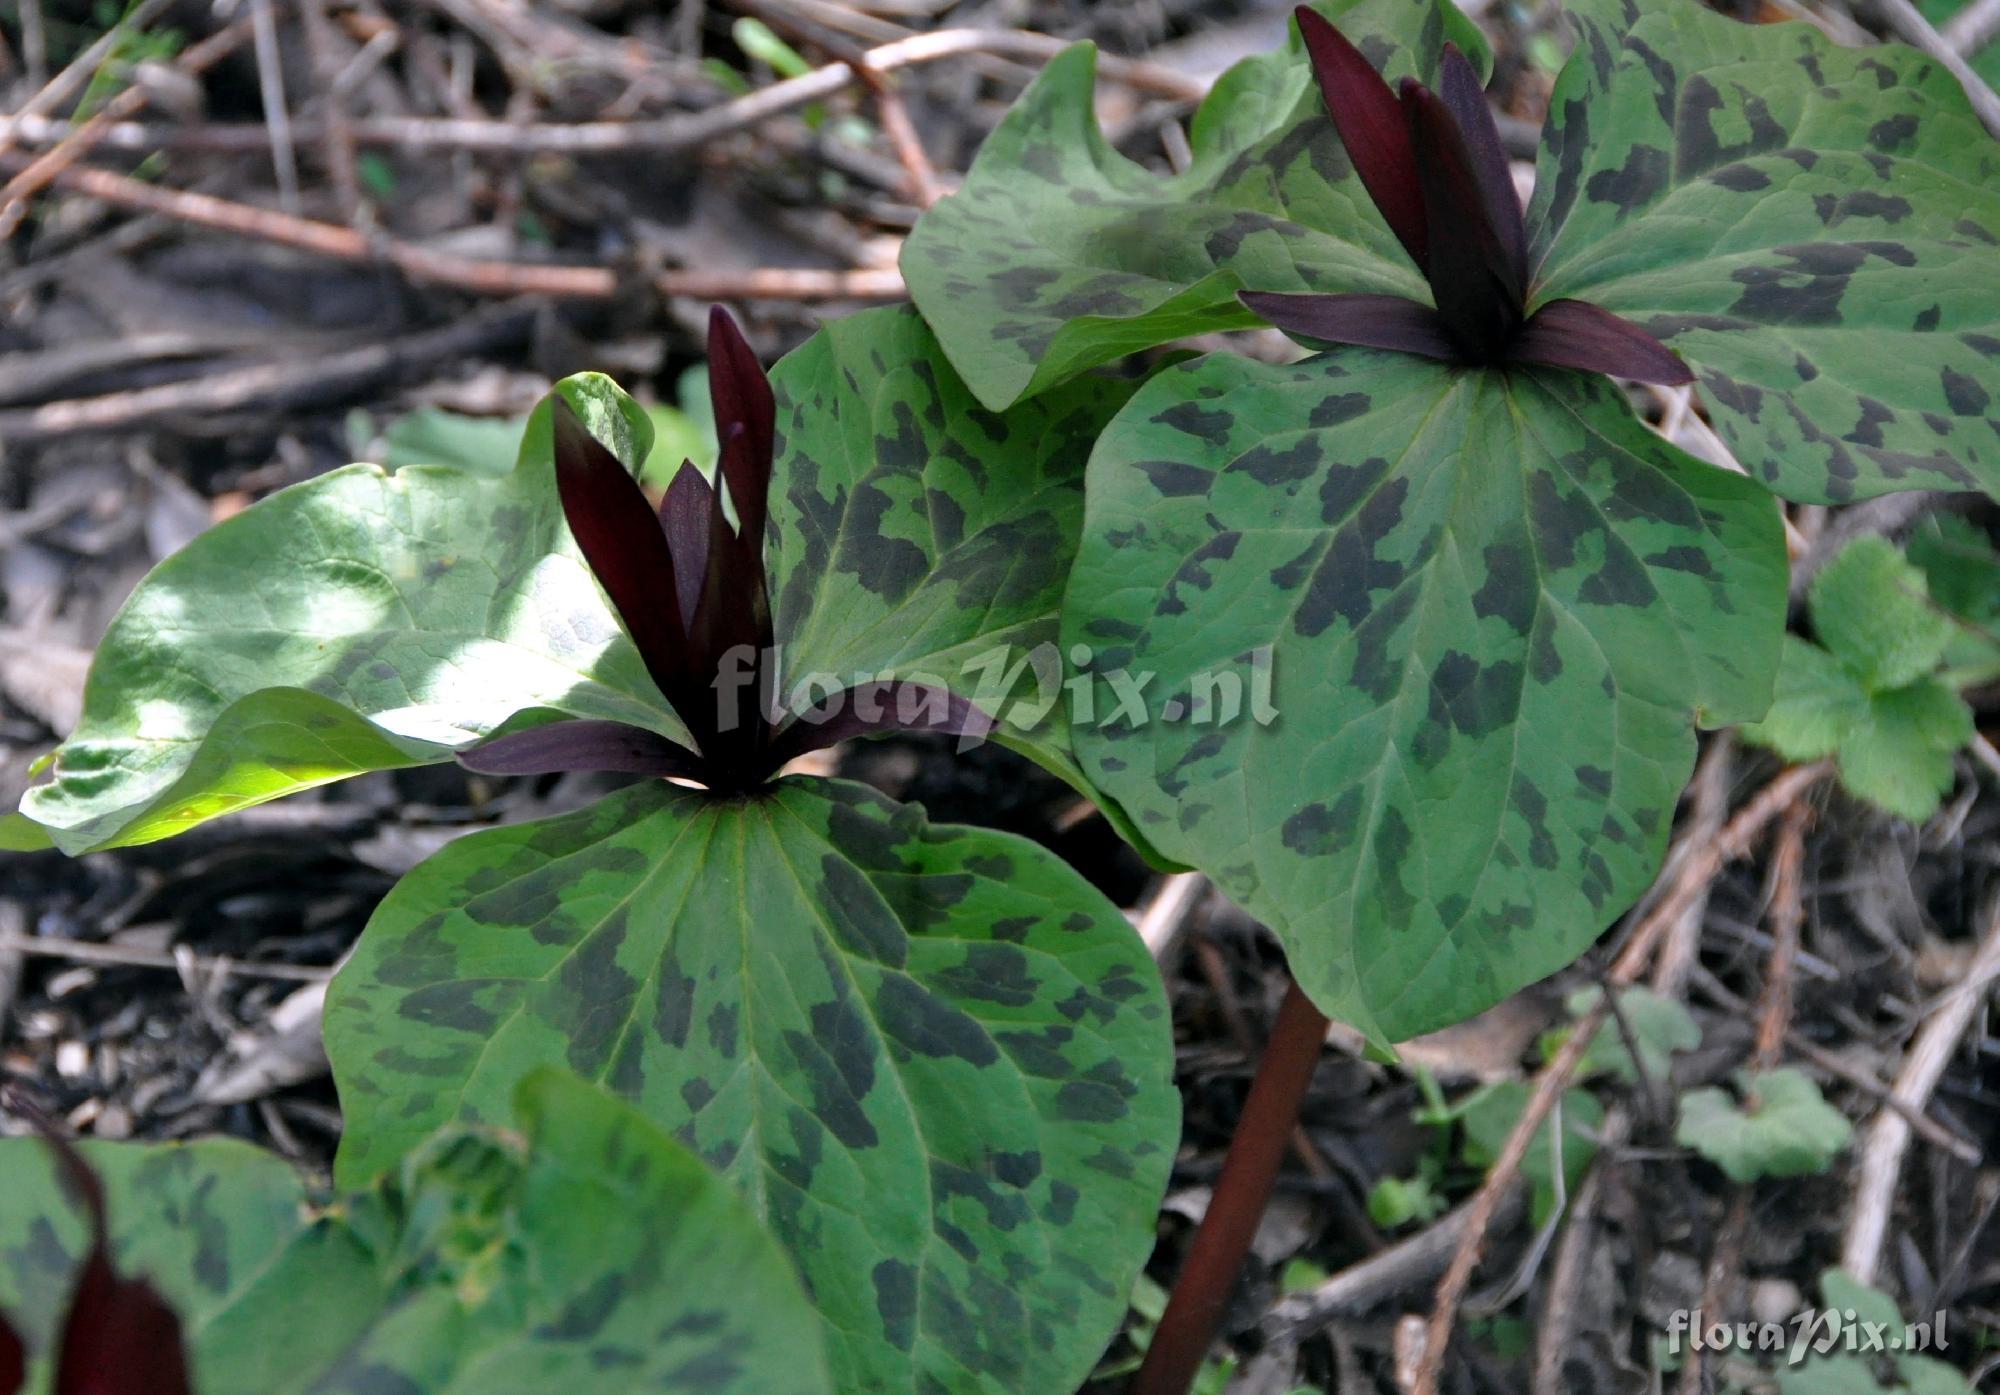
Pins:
x,y
13,1360
742,398
119,1336
1371,126
684,515
1470,272
1376,321
581,745
882,705
1459,89
625,546
1575,334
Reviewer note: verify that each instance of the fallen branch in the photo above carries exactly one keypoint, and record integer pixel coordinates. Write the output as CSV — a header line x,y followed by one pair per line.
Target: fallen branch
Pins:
x,y
306,381
1697,869
1888,1134
466,273
681,131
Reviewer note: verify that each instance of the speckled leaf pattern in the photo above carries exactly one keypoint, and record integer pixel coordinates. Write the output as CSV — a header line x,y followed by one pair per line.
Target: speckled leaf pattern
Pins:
x,y
1059,254
358,621
483,1266
1815,229
1495,607
934,1060
915,534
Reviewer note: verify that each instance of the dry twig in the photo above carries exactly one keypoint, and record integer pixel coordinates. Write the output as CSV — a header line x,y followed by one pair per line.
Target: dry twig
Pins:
x,y
1696,871
1888,1134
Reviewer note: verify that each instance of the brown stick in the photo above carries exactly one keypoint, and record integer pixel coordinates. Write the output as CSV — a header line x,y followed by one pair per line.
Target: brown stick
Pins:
x,y
1187,1328
1696,871
483,277
64,83
683,131
197,59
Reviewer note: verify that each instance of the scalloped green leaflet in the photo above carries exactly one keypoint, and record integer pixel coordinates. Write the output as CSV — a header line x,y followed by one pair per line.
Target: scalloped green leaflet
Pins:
x,y
359,621
480,1268
1816,229
1495,606
934,1059
1058,254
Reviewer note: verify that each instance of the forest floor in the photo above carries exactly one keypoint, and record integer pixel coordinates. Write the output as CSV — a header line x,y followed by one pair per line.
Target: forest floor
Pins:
x,y
164,362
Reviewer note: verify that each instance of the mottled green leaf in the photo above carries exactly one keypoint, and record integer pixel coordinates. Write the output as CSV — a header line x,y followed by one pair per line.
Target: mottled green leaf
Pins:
x,y
1059,254
917,535
484,1264
934,1060
1494,606
362,620
1783,1127
1815,229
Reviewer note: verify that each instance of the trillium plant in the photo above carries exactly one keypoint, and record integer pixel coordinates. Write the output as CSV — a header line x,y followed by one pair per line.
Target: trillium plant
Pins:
x,y
741,1077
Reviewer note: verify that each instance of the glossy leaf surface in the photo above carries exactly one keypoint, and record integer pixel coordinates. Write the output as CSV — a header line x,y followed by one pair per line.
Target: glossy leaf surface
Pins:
x,y
1815,229
481,1265
1059,254
932,1058
359,621
1495,608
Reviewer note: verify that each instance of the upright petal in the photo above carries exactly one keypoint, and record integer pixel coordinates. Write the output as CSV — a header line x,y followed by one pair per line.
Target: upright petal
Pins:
x,y
1375,321
1575,334
1459,89
625,546
1371,126
1470,271
741,396
684,516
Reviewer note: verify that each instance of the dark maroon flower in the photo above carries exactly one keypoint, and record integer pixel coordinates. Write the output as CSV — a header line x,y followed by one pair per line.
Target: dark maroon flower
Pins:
x,y
692,591
1433,164
119,1337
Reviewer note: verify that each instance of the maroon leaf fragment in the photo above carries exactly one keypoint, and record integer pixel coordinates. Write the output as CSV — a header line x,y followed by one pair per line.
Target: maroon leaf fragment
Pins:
x,y
13,1360
582,745
1372,127
871,708
1374,321
1577,334
625,546
120,1337
1470,271
1462,95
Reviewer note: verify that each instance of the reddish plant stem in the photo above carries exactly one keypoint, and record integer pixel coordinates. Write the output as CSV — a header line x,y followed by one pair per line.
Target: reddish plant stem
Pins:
x,y
1262,1134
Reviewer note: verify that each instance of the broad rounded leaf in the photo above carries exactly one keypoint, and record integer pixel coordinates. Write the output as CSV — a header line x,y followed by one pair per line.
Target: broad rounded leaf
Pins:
x,y
1493,609
933,1059
1815,229
919,537
1058,254
482,1265
1784,1127
362,620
